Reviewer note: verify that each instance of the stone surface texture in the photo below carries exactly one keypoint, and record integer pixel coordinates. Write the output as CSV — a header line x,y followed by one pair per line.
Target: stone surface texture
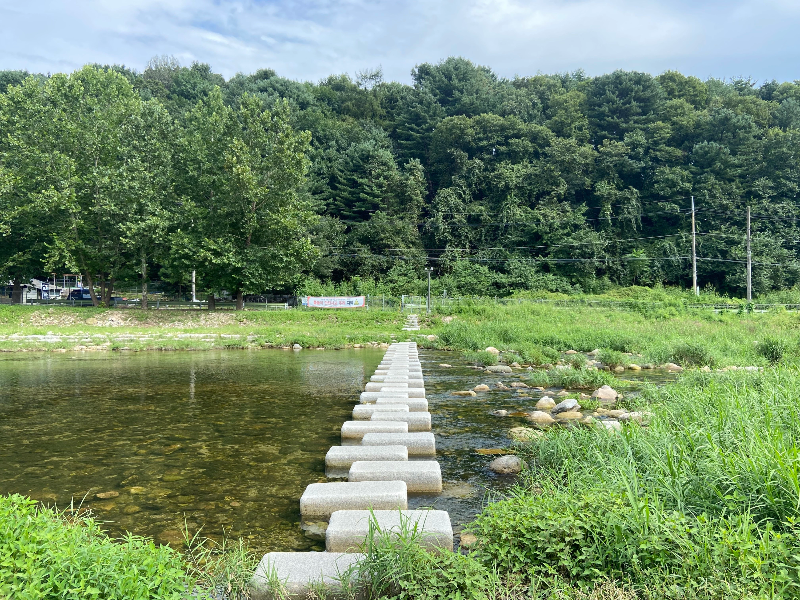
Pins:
x,y
420,476
301,573
418,444
323,499
349,528
416,421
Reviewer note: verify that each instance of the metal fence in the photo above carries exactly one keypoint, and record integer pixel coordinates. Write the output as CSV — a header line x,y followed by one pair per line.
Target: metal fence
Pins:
x,y
411,303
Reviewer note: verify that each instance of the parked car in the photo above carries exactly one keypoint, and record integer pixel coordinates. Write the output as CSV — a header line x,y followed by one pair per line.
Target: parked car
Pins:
x,y
80,294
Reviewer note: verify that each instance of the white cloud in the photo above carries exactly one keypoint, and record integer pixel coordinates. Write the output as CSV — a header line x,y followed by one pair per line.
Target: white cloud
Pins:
x,y
309,39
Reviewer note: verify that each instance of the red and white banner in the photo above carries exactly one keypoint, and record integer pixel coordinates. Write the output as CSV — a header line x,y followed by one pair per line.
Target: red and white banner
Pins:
x,y
336,301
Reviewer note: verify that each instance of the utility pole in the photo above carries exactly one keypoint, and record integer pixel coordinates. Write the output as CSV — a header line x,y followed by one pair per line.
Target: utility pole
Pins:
x,y
749,262
429,269
694,255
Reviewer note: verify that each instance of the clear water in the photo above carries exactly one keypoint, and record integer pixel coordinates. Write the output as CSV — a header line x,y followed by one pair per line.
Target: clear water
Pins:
x,y
228,440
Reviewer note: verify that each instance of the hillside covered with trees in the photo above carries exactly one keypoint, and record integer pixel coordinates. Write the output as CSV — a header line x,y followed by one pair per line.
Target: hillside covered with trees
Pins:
x,y
560,182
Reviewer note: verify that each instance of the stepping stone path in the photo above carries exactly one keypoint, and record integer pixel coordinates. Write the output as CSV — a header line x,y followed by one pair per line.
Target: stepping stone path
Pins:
x,y
391,424
412,323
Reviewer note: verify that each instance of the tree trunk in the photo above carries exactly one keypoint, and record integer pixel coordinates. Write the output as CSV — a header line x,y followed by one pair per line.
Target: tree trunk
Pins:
x,y
108,292
212,303
16,291
90,281
144,281
239,300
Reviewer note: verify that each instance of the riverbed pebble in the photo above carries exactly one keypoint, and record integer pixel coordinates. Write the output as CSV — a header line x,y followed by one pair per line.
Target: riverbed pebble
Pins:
x,y
605,394
524,434
540,418
464,393
481,388
570,415
498,369
507,465
570,404
545,403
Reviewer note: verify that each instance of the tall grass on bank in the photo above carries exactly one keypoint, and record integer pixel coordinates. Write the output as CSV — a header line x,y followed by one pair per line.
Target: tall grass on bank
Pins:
x,y
699,338
703,503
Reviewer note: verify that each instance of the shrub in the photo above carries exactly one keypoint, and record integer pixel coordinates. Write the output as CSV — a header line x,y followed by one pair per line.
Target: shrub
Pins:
x,y
538,379
772,349
512,357
481,358
45,554
612,358
582,378
692,354
538,355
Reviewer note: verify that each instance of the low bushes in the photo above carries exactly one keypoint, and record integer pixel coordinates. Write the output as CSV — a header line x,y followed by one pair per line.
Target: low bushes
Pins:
x,y
44,554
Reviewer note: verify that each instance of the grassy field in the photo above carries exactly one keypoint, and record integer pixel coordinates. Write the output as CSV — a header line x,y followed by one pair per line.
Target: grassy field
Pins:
x,y
531,333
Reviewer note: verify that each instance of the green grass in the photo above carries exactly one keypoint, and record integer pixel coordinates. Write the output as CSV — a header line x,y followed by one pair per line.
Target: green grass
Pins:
x,y
65,555
44,554
538,332
703,503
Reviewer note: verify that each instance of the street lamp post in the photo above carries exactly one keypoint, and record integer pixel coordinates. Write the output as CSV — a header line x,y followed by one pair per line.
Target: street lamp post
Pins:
x,y
429,270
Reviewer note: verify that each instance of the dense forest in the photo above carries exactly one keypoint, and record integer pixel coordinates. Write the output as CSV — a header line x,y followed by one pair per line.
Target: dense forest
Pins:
x,y
261,183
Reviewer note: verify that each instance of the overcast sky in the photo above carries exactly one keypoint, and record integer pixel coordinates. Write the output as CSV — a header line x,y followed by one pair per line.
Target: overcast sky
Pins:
x,y
310,39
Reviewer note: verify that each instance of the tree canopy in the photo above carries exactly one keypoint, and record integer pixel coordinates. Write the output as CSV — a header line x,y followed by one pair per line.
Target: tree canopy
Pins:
x,y
261,183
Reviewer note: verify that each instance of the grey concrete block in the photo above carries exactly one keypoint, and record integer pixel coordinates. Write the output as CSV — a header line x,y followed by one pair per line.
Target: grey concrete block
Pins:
x,y
416,421
421,476
414,404
364,412
385,387
319,500
342,457
355,430
390,378
419,444
371,397
349,528
416,373
298,574
339,459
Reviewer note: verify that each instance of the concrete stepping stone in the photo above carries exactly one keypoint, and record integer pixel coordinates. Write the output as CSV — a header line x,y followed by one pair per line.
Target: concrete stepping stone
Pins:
x,y
421,443
301,574
421,476
364,412
320,500
339,459
390,378
376,386
416,421
414,404
355,430
371,397
348,529
395,388
408,372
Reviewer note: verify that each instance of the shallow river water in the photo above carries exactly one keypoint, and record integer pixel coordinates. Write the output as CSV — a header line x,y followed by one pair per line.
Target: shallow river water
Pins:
x,y
225,441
